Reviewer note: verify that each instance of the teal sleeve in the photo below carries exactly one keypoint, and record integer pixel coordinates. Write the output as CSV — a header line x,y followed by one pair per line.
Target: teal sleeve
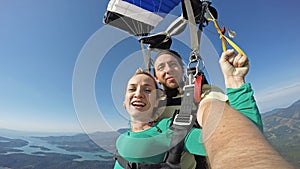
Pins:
x,y
242,99
193,142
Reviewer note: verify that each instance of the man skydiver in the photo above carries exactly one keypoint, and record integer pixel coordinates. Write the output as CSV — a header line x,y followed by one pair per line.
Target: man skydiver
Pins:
x,y
169,72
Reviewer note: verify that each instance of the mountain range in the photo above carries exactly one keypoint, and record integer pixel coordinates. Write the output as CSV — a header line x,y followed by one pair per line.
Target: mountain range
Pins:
x,y
282,129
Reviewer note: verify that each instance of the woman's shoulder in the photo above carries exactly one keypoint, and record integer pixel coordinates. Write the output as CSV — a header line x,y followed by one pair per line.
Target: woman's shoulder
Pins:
x,y
165,123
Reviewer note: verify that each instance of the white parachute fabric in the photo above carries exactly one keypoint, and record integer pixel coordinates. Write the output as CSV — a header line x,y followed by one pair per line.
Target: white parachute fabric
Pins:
x,y
137,17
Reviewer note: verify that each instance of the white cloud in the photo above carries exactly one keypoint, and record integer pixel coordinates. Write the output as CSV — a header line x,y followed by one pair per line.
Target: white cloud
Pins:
x,y
278,97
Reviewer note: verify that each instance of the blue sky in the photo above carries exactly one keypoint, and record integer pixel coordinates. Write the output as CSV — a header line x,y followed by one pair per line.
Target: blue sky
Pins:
x,y
41,43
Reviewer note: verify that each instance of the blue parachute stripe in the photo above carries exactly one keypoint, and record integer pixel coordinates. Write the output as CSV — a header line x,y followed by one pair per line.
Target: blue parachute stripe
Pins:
x,y
162,5
157,6
147,6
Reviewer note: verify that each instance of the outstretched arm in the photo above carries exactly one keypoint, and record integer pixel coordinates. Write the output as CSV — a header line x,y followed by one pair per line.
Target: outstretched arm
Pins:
x,y
234,141
240,94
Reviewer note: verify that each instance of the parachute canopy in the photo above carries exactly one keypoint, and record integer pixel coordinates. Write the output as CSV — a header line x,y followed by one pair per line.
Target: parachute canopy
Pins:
x,y
137,17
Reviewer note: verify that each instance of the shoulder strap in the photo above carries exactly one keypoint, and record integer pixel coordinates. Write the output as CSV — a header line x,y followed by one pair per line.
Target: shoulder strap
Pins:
x,y
182,123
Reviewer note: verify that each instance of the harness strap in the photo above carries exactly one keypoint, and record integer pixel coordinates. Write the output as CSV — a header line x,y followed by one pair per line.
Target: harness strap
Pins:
x,y
133,165
182,124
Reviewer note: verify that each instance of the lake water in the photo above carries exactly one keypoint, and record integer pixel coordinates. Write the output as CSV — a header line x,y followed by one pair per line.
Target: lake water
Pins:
x,y
54,149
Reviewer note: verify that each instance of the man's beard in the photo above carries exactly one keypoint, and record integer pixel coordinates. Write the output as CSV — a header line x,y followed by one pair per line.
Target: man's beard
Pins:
x,y
173,91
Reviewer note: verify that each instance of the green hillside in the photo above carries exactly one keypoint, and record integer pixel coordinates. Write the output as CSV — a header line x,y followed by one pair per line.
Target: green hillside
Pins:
x,y
282,129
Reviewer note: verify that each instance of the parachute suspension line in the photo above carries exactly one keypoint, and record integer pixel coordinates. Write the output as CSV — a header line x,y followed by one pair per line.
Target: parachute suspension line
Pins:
x,y
224,38
150,63
204,7
136,27
147,58
192,24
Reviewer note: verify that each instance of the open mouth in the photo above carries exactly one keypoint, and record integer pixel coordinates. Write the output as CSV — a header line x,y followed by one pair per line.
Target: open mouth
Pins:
x,y
138,104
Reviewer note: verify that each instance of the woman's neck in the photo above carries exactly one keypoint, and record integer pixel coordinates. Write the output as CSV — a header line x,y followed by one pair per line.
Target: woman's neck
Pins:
x,y
137,126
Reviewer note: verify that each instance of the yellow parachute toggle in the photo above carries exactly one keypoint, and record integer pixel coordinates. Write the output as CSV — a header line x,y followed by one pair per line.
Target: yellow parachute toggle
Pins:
x,y
223,37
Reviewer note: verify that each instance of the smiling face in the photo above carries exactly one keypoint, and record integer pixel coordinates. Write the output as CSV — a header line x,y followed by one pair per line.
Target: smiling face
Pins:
x,y
168,71
141,98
